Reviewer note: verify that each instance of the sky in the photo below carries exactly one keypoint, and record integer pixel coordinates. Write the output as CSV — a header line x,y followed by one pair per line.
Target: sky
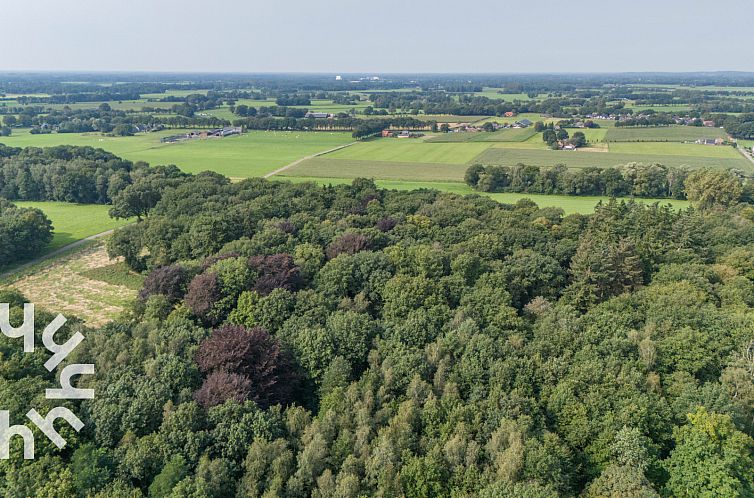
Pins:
x,y
385,36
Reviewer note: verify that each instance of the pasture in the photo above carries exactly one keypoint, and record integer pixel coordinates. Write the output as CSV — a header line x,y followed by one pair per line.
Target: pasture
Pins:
x,y
329,167
674,149
504,135
508,135
72,222
663,134
252,154
582,159
409,150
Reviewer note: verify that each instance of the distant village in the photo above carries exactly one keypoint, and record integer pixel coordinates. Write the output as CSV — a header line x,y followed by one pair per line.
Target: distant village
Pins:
x,y
199,135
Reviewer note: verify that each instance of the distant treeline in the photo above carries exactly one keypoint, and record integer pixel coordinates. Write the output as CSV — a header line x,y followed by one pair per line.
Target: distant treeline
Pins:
x,y
103,119
657,119
633,179
72,98
741,126
361,128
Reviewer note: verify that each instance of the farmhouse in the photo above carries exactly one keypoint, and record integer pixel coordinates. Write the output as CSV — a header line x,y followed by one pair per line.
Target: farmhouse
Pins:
x,y
710,141
318,115
510,114
409,134
193,135
524,123
708,123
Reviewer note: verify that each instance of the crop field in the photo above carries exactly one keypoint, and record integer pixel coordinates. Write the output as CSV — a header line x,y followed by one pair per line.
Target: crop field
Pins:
x,y
569,204
581,159
251,154
663,134
674,149
504,135
410,150
72,222
508,135
329,167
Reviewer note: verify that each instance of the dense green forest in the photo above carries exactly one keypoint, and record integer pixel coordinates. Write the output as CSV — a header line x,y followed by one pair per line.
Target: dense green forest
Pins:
x,y
296,340
76,174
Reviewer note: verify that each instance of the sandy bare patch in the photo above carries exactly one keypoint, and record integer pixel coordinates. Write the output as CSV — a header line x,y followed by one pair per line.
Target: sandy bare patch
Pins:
x,y
60,287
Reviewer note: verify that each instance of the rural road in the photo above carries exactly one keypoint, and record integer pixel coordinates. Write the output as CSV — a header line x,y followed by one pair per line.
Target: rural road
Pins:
x,y
56,252
298,161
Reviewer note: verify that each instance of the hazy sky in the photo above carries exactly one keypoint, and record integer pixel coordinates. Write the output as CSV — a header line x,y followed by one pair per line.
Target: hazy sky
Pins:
x,y
377,36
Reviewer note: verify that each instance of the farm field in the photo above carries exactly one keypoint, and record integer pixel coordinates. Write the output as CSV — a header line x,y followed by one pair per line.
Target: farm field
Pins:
x,y
504,135
72,222
507,135
329,167
409,159
582,159
252,154
410,150
674,149
569,204
663,134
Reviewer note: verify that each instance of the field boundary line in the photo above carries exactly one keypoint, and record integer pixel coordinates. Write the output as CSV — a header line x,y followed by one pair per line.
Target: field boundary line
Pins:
x,y
298,161
57,252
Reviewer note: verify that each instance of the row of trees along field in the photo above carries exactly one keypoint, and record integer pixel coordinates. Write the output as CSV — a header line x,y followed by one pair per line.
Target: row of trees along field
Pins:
x,y
633,179
297,340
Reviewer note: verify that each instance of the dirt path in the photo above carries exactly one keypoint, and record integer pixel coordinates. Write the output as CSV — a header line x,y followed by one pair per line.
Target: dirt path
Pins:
x,y
56,252
299,161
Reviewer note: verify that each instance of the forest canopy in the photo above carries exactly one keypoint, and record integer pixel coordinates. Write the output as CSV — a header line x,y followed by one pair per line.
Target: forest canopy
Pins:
x,y
299,340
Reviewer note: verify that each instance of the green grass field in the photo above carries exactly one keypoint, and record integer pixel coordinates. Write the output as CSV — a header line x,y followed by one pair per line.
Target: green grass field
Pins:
x,y
329,167
508,135
569,204
410,150
675,149
504,135
252,154
507,156
72,222
663,134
